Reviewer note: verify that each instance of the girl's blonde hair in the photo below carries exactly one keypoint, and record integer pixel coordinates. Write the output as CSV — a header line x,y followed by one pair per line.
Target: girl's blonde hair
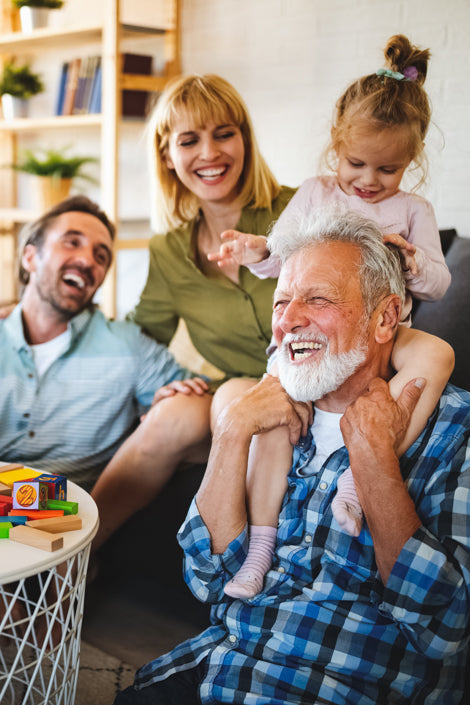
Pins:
x,y
381,101
203,99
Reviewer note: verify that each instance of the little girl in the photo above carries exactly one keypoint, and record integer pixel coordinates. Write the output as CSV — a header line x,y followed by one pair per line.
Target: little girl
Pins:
x,y
378,132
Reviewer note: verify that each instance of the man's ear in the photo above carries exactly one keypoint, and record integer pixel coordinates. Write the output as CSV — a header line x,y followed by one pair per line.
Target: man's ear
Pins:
x,y
28,258
388,318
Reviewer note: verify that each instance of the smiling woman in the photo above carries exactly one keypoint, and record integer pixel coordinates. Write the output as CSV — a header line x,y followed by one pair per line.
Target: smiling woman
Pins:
x,y
210,177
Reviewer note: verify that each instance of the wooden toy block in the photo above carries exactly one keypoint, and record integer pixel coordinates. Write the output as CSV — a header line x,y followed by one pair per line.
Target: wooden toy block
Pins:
x,y
4,509
8,478
56,524
4,489
36,538
68,507
11,466
30,494
7,500
37,513
14,520
57,486
5,529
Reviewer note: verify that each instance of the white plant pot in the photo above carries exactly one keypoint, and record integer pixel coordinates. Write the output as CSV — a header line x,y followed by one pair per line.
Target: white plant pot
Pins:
x,y
33,18
14,107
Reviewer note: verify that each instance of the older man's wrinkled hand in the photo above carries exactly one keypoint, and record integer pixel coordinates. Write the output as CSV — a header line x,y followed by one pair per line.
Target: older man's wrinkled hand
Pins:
x,y
267,406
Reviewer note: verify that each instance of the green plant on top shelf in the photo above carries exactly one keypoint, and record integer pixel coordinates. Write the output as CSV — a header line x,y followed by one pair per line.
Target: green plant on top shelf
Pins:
x,y
19,81
51,4
54,163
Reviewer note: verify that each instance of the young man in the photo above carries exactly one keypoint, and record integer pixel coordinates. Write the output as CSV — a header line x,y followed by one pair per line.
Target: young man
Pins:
x,y
73,384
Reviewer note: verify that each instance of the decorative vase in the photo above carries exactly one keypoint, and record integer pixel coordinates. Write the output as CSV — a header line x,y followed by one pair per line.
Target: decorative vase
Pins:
x,y
51,190
32,18
14,107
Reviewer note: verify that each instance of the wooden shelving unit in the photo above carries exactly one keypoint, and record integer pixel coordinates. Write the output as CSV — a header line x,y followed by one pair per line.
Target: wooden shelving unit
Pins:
x,y
110,35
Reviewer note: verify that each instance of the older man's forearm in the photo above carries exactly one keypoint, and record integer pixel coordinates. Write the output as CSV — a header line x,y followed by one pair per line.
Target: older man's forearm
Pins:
x,y
221,497
389,510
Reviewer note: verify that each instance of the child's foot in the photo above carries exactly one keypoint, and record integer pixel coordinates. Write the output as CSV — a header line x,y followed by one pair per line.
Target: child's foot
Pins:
x,y
348,517
345,505
248,581
244,584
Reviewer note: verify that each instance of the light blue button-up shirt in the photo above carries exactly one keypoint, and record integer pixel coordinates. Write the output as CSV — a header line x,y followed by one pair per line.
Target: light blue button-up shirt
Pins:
x,y
73,419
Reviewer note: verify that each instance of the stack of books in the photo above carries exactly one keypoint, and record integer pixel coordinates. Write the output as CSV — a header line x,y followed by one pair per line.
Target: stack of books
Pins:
x,y
79,89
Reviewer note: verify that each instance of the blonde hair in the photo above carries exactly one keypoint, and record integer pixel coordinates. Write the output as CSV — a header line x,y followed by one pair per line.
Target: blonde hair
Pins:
x,y
204,99
380,102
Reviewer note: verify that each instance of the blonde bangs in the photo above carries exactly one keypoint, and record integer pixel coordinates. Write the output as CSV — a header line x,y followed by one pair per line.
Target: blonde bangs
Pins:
x,y
203,100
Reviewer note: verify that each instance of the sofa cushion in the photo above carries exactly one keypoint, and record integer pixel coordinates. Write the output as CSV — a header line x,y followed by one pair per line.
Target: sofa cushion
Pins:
x,y
448,318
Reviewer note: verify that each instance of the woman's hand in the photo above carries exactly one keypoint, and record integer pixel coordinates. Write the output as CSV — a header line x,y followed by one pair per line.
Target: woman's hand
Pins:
x,y
196,385
241,248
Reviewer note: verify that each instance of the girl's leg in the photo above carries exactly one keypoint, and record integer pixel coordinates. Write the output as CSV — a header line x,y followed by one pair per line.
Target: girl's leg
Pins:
x,y
268,465
269,462
345,505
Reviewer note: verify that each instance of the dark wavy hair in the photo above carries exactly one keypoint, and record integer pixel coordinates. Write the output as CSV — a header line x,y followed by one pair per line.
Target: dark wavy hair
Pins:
x,y
34,233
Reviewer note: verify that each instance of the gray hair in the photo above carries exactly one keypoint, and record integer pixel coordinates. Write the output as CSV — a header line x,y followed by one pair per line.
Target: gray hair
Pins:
x,y
380,270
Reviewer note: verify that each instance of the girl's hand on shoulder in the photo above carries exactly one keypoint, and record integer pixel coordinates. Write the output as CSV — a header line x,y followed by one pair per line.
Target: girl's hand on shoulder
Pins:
x,y
407,252
240,248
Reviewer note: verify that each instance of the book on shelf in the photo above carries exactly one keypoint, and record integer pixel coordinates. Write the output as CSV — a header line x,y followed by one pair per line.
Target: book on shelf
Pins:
x,y
61,90
134,103
71,86
92,63
94,102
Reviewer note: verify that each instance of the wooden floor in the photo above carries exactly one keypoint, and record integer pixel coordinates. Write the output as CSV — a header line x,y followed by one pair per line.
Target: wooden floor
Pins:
x,y
138,622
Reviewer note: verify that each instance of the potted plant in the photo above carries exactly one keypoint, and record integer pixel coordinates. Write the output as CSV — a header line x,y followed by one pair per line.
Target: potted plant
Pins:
x,y
17,85
55,171
35,13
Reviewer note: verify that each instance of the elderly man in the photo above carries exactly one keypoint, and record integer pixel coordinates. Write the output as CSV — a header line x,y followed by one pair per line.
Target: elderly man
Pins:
x,y
380,618
73,384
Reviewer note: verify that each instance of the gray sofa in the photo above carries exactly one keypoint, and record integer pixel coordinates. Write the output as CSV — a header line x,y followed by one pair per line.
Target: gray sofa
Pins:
x,y
148,541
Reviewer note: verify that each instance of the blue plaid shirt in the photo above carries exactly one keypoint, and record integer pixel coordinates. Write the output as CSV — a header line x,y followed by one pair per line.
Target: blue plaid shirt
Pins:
x,y
325,629
73,419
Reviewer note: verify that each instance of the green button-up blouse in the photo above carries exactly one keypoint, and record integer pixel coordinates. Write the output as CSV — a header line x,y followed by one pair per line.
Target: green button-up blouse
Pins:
x,y
229,324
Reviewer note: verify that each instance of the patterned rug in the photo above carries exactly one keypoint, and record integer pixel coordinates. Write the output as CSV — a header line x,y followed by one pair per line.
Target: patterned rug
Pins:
x,y
101,677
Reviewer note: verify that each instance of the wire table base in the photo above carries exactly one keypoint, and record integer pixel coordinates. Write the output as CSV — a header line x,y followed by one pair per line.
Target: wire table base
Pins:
x,y
40,626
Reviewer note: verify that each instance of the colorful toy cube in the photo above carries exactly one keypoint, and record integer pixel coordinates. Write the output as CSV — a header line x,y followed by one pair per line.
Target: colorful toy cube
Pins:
x,y
57,485
30,494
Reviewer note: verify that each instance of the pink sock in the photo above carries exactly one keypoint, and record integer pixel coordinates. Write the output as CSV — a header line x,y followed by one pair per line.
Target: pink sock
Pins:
x,y
248,581
345,505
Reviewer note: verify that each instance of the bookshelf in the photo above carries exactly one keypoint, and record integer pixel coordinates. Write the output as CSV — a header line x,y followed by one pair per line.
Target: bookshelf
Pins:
x,y
111,35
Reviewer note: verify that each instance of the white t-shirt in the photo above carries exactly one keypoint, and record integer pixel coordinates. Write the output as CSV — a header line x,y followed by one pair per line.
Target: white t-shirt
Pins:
x,y
44,354
328,438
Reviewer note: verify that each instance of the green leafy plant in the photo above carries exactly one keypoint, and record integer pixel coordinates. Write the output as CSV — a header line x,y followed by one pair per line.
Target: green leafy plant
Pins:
x,y
19,81
54,163
51,4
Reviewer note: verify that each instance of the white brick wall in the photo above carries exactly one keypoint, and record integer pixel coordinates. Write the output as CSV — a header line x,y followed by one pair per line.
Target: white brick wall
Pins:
x,y
291,59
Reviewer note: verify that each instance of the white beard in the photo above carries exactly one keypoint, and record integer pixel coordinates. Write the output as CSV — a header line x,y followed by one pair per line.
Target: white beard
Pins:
x,y
311,380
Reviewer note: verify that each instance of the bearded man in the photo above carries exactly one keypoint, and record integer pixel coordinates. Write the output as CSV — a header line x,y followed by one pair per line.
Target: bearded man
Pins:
x,y
371,619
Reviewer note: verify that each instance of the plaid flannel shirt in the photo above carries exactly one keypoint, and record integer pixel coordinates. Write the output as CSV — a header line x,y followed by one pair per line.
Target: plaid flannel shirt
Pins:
x,y
325,629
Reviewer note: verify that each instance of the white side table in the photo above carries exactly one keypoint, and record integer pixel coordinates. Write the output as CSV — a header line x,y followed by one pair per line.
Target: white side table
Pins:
x,y
41,610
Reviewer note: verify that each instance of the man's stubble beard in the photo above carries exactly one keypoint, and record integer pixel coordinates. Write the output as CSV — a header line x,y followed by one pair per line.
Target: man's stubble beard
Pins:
x,y
311,380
